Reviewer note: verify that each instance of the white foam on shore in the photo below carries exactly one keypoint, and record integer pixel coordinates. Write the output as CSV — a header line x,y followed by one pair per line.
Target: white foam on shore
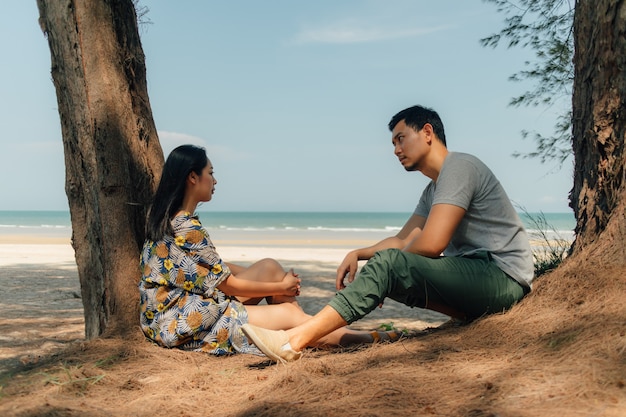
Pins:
x,y
63,254
253,253
36,254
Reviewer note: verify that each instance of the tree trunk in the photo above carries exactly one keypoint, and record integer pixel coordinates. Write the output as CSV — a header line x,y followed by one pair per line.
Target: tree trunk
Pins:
x,y
598,197
112,154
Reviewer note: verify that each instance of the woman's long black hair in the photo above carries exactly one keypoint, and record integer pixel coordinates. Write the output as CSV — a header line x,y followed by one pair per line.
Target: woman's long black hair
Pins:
x,y
168,198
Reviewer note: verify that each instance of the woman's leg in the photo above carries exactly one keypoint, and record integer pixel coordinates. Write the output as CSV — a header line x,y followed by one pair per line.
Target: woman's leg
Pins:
x,y
286,316
265,270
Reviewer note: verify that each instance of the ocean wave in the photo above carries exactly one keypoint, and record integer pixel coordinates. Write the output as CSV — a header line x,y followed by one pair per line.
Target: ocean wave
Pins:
x,y
353,229
551,234
40,226
389,229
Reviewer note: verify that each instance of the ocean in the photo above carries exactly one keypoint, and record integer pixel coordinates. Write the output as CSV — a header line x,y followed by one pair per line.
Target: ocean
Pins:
x,y
280,227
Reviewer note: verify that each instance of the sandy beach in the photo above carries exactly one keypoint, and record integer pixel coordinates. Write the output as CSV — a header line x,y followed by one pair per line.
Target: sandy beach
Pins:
x,y
42,310
559,352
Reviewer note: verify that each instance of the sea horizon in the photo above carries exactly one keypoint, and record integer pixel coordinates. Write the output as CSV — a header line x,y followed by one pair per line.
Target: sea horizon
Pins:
x,y
279,227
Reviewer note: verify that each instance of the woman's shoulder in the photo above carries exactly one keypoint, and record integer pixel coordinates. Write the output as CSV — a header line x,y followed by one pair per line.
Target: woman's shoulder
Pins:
x,y
185,214
187,218
188,226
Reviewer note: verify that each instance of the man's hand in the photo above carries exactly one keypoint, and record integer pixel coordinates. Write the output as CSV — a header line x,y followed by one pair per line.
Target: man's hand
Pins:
x,y
350,264
348,267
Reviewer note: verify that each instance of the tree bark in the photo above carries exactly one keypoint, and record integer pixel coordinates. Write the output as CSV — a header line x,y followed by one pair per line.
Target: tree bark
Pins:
x,y
112,154
598,196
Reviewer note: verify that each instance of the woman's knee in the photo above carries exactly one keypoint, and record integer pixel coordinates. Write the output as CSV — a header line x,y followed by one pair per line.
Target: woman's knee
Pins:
x,y
271,265
267,269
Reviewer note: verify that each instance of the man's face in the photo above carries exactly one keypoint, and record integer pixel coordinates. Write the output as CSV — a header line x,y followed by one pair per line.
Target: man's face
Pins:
x,y
409,146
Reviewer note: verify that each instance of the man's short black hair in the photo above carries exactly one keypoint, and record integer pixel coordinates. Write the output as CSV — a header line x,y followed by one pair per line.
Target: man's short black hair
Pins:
x,y
416,117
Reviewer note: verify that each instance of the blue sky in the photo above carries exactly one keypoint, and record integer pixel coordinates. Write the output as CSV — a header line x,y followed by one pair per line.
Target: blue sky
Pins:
x,y
291,100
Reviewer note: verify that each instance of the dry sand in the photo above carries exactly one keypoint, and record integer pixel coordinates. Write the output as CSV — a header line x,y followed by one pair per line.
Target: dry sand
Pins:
x,y
42,309
561,352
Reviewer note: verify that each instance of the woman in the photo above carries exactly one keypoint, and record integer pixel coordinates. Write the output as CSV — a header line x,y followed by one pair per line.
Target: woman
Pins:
x,y
190,298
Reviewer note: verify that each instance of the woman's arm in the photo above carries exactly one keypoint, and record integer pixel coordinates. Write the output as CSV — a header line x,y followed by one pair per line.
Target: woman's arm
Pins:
x,y
233,286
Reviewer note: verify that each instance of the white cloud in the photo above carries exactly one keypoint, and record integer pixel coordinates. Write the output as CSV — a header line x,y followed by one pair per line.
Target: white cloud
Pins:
x,y
170,140
351,31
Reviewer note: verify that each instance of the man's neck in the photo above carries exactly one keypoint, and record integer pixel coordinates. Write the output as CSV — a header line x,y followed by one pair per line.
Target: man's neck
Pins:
x,y
435,161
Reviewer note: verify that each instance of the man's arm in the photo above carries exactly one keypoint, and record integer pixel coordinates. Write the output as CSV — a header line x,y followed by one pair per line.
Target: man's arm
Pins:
x,y
420,235
437,232
412,226
349,266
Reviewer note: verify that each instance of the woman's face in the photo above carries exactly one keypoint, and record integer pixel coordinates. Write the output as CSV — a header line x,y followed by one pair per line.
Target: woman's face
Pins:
x,y
206,183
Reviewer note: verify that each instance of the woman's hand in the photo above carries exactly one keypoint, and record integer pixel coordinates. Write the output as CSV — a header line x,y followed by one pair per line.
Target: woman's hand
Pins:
x,y
291,284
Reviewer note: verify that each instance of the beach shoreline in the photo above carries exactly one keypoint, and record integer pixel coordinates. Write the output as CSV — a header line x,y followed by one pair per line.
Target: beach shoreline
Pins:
x,y
517,362
43,250
43,312
39,276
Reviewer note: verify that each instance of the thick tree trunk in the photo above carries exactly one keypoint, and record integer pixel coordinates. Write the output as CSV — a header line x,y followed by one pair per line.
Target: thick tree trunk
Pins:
x,y
112,153
599,129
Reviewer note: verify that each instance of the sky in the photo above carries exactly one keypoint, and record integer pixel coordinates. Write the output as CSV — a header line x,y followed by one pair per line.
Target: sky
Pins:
x,y
291,99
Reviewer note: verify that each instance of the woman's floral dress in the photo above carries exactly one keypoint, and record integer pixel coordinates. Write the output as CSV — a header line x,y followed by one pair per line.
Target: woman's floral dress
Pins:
x,y
181,305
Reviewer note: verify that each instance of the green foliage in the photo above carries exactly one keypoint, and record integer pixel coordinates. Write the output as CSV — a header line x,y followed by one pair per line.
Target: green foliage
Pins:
x,y
386,327
548,251
546,26
142,14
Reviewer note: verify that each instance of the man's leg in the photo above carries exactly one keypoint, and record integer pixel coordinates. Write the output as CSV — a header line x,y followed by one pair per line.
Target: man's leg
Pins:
x,y
323,323
462,287
468,286
473,286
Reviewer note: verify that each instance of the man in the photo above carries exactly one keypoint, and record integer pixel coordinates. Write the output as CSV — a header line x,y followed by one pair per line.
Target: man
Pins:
x,y
463,213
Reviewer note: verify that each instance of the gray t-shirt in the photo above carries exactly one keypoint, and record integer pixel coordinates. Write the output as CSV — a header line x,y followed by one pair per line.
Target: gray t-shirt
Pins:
x,y
490,223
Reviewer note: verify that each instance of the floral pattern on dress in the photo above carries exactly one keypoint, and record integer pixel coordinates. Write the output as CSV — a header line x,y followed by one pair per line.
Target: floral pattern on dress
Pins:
x,y
181,305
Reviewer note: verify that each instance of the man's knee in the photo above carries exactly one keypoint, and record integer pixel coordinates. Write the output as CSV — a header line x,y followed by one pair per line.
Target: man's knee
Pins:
x,y
389,262
401,273
381,270
386,258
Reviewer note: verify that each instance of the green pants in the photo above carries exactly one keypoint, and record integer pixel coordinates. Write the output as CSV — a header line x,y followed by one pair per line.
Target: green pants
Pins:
x,y
473,286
